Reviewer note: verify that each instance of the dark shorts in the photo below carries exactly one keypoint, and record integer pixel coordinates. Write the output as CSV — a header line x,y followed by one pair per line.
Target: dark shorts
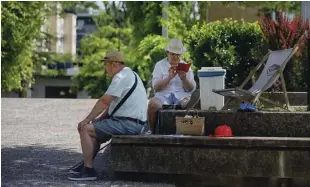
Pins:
x,y
114,126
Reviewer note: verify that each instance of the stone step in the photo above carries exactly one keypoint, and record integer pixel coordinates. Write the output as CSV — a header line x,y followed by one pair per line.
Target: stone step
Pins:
x,y
270,157
264,124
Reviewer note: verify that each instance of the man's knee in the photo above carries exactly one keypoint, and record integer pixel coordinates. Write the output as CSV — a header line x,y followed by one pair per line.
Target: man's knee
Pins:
x,y
88,129
184,101
154,104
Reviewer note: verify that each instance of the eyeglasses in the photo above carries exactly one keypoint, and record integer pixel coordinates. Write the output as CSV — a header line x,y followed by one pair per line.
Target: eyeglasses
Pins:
x,y
173,54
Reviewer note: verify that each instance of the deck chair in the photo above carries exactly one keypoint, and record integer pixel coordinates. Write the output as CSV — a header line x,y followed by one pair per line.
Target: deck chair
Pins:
x,y
276,62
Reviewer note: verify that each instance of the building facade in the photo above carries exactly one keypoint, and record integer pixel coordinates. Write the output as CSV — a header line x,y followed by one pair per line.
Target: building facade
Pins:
x,y
66,39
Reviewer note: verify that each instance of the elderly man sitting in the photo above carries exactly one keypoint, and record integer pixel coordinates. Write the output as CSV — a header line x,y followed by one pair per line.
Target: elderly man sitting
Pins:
x,y
171,86
117,112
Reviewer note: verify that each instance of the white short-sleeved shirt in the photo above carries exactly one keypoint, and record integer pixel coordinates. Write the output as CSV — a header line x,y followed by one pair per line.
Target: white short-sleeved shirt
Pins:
x,y
136,104
161,71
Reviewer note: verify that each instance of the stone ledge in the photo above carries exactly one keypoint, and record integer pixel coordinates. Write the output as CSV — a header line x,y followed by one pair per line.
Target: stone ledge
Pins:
x,y
295,98
269,157
202,141
261,124
182,180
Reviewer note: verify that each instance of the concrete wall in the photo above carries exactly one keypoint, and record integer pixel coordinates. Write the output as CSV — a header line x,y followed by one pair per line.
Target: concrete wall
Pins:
x,y
40,84
70,34
9,94
52,28
218,11
305,9
64,28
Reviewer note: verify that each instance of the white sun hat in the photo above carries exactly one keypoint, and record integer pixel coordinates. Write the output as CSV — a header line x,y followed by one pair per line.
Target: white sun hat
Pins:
x,y
175,46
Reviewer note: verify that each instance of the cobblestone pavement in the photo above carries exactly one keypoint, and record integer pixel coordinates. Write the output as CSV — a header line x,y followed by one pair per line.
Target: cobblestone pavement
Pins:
x,y
39,142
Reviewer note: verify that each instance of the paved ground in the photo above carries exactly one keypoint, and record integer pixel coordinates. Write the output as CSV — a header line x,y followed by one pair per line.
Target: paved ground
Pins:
x,y
39,142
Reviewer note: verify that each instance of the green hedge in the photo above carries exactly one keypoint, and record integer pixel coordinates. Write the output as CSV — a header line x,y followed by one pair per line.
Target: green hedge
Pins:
x,y
235,46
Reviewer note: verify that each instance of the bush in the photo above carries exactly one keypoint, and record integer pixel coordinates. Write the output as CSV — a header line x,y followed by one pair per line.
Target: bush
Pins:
x,y
284,33
151,48
235,46
150,51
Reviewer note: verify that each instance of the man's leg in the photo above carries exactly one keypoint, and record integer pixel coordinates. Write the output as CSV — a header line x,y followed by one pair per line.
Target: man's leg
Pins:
x,y
191,101
95,141
154,105
79,167
99,130
88,143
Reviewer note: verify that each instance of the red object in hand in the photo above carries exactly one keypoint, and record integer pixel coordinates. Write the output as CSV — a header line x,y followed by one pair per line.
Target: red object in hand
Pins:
x,y
183,67
223,131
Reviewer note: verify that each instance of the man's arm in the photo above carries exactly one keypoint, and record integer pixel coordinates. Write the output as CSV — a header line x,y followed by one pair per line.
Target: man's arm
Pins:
x,y
161,84
101,106
104,115
187,85
188,80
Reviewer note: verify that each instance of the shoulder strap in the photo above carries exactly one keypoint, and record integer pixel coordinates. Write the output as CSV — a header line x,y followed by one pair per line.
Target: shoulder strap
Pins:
x,y
126,96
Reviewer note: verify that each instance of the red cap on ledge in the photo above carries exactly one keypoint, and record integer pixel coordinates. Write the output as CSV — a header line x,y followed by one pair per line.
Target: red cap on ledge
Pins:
x,y
223,131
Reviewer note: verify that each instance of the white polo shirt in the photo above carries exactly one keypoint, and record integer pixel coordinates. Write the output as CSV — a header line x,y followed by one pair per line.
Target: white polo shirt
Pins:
x,y
136,104
161,71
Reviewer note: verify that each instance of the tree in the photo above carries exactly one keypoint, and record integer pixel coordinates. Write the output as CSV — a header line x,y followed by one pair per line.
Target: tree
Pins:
x,y
21,28
144,16
21,24
92,77
140,39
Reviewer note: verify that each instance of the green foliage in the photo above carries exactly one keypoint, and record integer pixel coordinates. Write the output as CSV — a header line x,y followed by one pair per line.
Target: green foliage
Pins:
x,y
151,48
284,33
21,23
177,26
298,74
141,29
92,77
50,58
144,16
21,28
235,46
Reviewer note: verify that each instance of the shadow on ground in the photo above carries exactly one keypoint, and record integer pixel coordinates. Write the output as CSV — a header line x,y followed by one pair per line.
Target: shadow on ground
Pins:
x,y
38,166
45,166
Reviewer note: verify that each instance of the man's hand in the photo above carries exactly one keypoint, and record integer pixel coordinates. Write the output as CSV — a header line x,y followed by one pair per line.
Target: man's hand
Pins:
x,y
172,72
182,75
82,124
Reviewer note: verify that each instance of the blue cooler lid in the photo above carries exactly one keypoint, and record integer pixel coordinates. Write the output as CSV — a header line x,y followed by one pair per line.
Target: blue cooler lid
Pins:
x,y
211,72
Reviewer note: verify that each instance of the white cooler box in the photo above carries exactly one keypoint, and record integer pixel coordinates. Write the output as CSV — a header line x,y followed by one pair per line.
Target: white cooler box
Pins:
x,y
211,78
